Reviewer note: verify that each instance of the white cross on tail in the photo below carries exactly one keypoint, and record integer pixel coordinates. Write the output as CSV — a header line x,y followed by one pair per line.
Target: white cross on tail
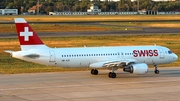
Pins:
x,y
26,34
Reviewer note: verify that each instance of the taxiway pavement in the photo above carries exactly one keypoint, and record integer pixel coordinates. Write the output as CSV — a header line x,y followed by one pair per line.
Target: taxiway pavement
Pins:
x,y
146,30
82,86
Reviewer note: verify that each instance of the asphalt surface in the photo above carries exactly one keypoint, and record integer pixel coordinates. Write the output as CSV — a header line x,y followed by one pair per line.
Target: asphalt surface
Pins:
x,y
145,30
82,86
85,22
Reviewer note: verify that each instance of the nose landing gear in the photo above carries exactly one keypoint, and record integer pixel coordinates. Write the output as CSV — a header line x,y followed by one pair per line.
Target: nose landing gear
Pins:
x,y
156,69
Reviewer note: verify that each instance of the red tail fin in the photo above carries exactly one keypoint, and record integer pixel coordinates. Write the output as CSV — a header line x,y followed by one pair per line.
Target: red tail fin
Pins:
x,y
26,34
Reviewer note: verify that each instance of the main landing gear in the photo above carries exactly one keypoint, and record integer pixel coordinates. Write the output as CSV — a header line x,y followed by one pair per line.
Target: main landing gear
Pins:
x,y
112,74
94,72
156,69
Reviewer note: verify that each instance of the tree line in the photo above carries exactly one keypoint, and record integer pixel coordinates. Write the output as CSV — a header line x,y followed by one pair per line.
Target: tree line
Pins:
x,y
83,5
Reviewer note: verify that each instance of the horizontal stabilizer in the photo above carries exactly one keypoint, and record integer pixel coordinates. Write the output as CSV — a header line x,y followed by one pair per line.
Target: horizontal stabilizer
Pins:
x,y
9,51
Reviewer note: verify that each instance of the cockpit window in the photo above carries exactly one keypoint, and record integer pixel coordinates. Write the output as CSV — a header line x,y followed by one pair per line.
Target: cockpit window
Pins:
x,y
169,52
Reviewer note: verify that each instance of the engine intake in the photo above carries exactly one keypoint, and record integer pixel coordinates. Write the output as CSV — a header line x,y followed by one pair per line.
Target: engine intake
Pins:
x,y
138,68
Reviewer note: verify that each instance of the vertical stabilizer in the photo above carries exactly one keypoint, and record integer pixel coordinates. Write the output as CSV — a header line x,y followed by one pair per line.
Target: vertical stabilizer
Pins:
x,y
27,37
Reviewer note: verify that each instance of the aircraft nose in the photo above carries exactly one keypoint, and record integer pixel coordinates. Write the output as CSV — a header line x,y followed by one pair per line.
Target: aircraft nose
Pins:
x,y
175,57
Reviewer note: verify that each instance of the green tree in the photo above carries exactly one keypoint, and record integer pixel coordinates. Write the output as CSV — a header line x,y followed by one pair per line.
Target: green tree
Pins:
x,y
83,5
59,6
10,5
49,9
104,6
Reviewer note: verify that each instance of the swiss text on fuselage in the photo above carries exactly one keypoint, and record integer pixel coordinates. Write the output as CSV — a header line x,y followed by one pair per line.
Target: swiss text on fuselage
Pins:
x,y
145,53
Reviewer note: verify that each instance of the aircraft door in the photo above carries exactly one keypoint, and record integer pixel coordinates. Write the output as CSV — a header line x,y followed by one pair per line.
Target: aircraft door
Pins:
x,y
52,56
161,52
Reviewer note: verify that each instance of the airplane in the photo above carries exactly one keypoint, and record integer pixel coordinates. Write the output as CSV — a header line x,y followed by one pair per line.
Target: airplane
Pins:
x,y
132,59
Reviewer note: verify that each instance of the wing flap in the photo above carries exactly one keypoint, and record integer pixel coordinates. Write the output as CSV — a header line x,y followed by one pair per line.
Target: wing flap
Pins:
x,y
112,63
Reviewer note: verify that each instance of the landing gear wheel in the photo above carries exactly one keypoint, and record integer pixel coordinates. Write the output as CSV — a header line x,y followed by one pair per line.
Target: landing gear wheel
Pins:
x,y
112,75
94,71
156,71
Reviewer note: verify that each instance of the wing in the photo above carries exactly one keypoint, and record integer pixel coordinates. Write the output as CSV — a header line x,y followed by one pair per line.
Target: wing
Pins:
x,y
112,63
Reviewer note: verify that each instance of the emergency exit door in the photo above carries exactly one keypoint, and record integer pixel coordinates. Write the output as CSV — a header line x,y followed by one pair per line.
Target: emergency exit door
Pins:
x,y
52,56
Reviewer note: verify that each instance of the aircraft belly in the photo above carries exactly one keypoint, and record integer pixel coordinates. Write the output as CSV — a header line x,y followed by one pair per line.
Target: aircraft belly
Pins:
x,y
75,63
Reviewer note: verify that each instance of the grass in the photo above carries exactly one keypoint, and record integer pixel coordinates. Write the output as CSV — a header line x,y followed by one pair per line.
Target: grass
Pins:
x,y
144,24
9,65
47,18
10,28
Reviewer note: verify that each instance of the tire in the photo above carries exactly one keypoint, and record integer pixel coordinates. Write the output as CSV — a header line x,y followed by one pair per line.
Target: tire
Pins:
x,y
110,74
95,72
92,71
156,71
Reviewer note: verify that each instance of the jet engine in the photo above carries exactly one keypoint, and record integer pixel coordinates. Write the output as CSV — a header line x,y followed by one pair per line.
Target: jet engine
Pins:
x,y
138,68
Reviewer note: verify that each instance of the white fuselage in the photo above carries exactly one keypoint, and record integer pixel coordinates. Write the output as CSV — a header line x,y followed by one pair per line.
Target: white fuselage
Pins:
x,y
83,57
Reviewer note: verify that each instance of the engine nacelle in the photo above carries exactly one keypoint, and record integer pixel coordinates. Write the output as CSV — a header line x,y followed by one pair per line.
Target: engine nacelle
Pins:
x,y
139,68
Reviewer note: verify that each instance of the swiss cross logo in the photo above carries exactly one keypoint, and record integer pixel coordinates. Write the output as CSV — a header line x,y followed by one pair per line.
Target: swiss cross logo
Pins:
x,y
26,34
